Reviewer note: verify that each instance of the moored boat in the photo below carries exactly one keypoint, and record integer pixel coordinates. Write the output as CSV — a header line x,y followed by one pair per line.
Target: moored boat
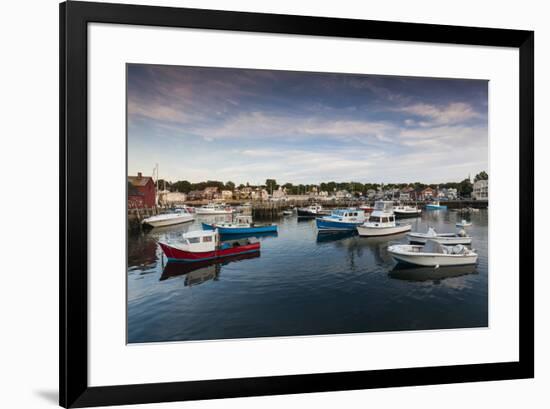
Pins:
x,y
410,272
464,223
435,206
169,219
241,225
444,238
214,208
206,245
406,211
366,208
382,222
314,210
433,254
341,220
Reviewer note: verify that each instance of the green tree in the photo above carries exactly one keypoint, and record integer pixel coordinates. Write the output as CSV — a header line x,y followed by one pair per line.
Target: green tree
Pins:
x,y
230,185
481,176
271,185
183,186
465,188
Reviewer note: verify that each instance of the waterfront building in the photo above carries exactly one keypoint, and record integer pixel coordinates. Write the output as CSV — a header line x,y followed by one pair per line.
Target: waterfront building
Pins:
x,y
279,194
226,195
427,194
481,190
211,192
171,198
143,191
195,195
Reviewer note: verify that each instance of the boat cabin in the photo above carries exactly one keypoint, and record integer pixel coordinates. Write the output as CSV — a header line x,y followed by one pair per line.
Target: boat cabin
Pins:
x,y
348,215
200,241
382,215
383,206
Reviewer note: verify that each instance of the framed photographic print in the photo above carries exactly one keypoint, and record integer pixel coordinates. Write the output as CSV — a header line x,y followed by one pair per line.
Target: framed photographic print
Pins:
x,y
259,204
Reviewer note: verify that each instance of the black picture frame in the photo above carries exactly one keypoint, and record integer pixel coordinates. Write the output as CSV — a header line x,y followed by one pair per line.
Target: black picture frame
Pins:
x,y
73,351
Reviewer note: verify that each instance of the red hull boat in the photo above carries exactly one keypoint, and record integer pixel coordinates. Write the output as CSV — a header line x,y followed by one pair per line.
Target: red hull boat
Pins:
x,y
206,245
174,253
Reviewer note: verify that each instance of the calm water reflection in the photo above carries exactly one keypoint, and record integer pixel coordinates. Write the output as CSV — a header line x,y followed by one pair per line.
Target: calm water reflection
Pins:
x,y
302,283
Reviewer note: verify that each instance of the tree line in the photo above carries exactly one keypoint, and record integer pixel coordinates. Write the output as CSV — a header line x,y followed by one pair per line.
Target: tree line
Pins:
x,y
464,187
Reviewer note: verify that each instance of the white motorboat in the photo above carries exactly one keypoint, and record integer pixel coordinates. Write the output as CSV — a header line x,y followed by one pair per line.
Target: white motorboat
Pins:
x,y
444,238
433,254
287,212
464,223
169,219
406,211
214,208
382,222
314,210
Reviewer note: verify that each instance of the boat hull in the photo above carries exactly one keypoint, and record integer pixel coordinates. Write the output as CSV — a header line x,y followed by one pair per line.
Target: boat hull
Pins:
x,y
212,212
427,260
240,230
382,231
168,222
420,239
176,254
403,214
307,213
332,225
435,207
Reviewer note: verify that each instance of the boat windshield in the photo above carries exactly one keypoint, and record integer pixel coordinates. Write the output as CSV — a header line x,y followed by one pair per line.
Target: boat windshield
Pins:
x,y
375,219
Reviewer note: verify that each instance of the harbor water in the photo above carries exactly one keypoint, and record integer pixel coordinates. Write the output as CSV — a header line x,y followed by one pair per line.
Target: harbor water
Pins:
x,y
303,283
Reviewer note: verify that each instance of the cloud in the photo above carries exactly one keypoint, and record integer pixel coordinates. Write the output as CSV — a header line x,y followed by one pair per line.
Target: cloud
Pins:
x,y
452,113
248,125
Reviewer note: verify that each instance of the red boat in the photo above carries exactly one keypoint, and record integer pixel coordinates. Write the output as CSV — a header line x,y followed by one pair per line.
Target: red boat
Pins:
x,y
367,209
206,245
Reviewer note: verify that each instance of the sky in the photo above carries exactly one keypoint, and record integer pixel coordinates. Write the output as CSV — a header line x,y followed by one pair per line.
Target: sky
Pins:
x,y
245,125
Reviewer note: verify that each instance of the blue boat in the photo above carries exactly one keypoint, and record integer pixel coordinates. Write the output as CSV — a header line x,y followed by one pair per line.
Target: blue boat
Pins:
x,y
435,206
341,220
242,225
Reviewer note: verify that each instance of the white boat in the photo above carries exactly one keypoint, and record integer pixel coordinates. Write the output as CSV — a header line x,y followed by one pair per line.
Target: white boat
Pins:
x,y
314,210
444,238
287,212
214,208
464,223
433,254
188,209
382,222
169,219
406,211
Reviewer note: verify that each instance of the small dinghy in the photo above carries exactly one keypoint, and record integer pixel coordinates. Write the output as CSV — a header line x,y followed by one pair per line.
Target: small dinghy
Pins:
x,y
464,223
206,245
433,254
444,238
287,212
241,225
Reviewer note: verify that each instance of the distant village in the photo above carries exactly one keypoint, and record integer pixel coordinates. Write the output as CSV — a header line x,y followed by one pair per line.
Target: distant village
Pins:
x,y
148,191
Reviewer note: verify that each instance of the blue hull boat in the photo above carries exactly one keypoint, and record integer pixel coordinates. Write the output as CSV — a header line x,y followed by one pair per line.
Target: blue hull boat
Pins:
x,y
332,225
240,230
435,207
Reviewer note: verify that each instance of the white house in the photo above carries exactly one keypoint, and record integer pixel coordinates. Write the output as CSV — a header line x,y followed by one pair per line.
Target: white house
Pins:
x,y
481,190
